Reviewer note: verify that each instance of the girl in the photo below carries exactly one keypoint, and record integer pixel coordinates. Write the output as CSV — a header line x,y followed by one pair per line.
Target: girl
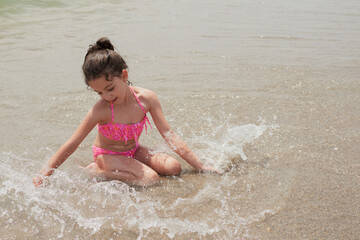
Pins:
x,y
120,116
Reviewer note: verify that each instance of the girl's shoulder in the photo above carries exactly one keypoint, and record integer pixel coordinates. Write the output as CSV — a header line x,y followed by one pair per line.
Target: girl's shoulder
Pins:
x,y
143,92
146,96
101,110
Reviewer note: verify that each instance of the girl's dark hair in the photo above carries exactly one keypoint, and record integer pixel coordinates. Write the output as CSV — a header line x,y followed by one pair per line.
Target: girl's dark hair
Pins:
x,y
102,60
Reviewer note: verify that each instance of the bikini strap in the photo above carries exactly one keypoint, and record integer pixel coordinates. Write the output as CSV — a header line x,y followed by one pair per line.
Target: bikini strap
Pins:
x,y
112,112
138,101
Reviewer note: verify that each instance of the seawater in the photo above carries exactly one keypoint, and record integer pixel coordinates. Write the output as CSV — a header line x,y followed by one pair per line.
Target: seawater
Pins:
x,y
265,90
76,206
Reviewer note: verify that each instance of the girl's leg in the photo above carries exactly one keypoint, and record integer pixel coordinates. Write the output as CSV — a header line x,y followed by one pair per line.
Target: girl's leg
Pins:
x,y
125,169
162,163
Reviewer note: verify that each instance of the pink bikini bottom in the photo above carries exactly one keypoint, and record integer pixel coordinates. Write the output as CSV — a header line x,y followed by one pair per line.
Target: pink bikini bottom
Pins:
x,y
99,151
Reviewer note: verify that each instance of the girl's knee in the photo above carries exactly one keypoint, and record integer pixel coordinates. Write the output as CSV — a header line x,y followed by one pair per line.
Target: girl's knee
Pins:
x,y
173,166
150,177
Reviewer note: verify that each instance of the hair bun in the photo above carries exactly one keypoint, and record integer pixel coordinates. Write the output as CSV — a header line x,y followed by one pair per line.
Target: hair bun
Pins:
x,y
104,43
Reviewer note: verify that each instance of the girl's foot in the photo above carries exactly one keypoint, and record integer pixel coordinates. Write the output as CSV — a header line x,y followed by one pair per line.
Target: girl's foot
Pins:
x,y
93,169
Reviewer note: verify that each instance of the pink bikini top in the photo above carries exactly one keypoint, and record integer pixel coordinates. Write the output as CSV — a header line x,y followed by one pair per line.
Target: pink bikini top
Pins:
x,y
124,132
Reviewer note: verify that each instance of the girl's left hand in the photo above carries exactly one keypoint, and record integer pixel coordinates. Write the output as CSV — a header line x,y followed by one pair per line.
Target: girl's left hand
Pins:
x,y
40,181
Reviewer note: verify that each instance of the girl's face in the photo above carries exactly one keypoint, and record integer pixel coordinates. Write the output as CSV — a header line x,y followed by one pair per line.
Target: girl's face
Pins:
x,y
113,90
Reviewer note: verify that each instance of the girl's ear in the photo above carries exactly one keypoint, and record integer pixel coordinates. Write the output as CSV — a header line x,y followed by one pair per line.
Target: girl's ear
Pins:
x,y
124,74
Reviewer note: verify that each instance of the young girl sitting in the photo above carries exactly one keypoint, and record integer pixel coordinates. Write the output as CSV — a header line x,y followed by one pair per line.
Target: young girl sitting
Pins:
x,y
121,116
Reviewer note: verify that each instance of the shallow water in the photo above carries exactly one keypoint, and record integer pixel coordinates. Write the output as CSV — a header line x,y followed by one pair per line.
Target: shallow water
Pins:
x,y
267,90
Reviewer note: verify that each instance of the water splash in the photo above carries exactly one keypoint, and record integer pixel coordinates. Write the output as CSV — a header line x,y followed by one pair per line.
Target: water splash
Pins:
x,y
226,142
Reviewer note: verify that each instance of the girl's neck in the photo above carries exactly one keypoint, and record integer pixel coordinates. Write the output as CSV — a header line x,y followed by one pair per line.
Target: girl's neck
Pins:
x,y
129,97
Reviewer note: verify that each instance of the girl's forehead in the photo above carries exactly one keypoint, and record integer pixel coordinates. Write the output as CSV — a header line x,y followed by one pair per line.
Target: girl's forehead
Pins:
x,y
100,83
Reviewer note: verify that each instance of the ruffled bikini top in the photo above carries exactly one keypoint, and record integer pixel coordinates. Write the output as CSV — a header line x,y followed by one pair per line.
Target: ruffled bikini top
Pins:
x,y
124,132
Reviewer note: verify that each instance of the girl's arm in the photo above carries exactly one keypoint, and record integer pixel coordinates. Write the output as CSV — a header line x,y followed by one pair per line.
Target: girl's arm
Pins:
x,y
171,138
68,147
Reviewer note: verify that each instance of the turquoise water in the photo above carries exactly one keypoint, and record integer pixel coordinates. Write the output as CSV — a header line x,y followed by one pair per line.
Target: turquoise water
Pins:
x,y
266,90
